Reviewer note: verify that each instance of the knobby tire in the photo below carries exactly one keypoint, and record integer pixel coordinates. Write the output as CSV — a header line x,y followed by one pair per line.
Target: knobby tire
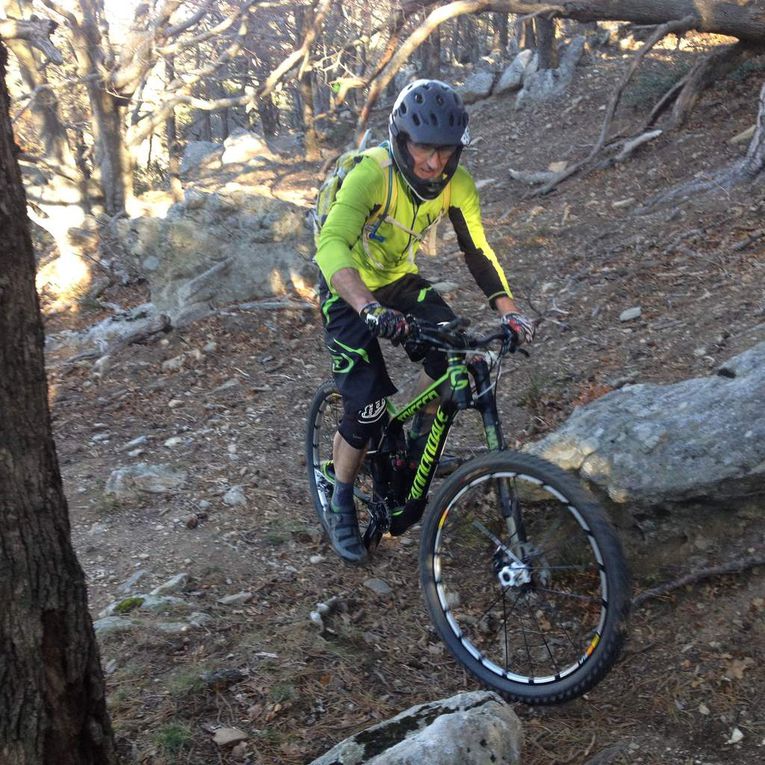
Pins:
x,y
543,632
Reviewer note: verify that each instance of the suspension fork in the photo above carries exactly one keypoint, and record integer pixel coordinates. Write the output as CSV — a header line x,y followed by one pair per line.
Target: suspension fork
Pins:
x,y
486,403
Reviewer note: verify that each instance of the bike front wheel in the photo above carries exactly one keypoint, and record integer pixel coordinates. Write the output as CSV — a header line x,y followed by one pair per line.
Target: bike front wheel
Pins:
x,y
524,578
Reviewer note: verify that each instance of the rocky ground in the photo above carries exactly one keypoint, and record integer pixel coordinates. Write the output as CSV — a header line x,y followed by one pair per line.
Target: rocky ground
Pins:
x,y
223,402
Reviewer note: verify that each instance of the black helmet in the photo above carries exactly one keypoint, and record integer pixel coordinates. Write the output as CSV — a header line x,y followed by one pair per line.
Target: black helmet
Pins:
x,y
428,112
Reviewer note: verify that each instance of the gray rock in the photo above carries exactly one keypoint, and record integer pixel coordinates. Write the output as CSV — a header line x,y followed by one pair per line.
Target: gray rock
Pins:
x,y
222,248
378,586
159,603
176,584
128,585
199,153
173,628
512,78
664,444
224,737
631,313
141,478
236,599
476,87
445,287
109,624
548,84
174,364
243,146
469,729
235,496
200,619
144,602
140,441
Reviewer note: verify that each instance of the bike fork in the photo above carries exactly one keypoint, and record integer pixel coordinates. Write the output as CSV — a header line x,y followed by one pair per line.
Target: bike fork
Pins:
x,y
509,504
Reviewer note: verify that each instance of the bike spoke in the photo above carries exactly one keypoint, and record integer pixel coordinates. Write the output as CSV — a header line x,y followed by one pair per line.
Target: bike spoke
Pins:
x,y
521,576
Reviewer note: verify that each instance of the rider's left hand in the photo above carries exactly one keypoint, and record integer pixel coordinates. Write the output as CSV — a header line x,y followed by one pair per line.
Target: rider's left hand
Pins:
x,y
521,327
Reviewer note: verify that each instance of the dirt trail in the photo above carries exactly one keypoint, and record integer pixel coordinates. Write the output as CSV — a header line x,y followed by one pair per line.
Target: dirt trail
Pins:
x,y
692,672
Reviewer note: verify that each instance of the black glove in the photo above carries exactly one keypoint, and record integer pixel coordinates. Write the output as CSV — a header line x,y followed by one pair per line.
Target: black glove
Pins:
x,y
521,327
384,322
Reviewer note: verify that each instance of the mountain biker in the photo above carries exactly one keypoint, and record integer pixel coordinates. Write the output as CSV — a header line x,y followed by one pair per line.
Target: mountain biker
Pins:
x,y
369,280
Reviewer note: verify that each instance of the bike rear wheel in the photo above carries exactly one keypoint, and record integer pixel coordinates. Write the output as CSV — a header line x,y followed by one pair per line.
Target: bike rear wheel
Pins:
x,y
524,578
324,415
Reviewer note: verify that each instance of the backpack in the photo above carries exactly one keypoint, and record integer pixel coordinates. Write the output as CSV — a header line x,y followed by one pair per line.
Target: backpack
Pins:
x,y
332,183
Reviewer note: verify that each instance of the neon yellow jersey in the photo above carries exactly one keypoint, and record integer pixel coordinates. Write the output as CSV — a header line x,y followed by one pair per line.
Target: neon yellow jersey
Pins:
x,y
344,240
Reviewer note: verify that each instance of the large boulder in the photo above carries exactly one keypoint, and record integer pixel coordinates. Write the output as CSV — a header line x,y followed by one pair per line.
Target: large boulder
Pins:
x,y
198,154
476,87
549,84
657,445
511,80
244,147
219,248
469,729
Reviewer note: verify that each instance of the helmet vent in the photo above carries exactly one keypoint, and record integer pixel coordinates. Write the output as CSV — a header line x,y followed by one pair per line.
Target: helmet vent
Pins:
x,y
416,119
418,99
440,100
451,120
433,120
402,109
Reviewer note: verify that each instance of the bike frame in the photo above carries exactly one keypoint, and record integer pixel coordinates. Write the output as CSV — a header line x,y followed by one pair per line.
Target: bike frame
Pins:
x,y
453,387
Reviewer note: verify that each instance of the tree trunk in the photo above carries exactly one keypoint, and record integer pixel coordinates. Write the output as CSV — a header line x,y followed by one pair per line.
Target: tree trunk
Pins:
x,y
304,19
311,137
546,46
500,37
171,136
52,706
431,55
113,169
744,19
527,37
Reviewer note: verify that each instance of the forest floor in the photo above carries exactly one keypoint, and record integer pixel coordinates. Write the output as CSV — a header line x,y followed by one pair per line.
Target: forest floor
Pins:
x,y
689,686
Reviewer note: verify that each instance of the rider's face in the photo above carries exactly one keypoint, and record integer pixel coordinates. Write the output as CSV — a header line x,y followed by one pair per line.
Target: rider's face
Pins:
x,y
429,161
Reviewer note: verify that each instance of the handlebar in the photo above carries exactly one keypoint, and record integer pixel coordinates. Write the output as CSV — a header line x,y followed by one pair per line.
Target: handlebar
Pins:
x,y
451,336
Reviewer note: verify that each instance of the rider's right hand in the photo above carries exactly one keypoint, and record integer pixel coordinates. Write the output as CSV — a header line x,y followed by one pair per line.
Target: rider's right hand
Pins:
x,y
384,322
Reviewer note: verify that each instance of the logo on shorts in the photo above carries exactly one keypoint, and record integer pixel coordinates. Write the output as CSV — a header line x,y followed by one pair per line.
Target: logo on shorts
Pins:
x,y
373,412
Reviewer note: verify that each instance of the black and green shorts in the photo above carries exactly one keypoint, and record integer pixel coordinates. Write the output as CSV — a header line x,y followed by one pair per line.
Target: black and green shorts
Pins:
x,y
357,361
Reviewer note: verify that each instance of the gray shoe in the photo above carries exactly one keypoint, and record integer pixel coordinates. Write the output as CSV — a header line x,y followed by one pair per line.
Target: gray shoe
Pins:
x,y
344,535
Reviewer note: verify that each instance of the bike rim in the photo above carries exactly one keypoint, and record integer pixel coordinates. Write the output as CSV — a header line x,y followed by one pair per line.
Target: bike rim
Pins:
x,y
325,423
328,416
529,611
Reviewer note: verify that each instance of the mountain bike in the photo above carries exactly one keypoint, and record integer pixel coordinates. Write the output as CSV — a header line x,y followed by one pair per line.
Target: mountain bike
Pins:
x,y
522,573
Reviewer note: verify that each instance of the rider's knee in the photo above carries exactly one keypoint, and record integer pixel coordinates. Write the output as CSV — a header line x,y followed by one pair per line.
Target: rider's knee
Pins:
x,y
365,424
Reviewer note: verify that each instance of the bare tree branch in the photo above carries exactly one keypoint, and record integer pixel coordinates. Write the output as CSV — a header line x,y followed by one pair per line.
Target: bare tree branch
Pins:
x,y
195,18
434,19
218,29
732,567
36,32
144,128
65,13
297,56
708,69
659,33
744,170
